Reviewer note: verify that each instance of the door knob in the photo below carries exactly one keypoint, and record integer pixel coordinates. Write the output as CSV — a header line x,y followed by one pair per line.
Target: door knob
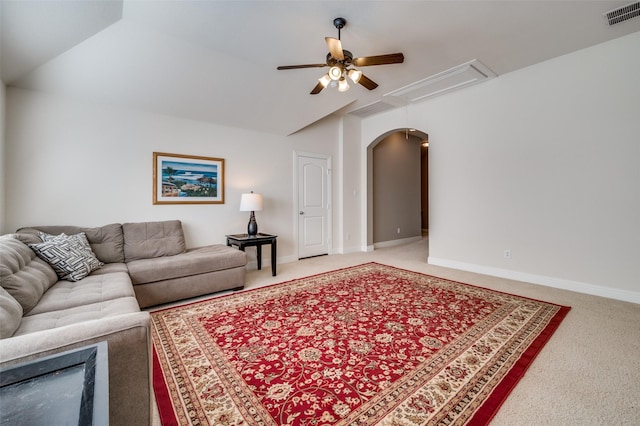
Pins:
x,y
301,212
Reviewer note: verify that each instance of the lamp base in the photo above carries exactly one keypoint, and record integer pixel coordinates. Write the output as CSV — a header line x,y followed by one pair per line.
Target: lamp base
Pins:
x,y
252,228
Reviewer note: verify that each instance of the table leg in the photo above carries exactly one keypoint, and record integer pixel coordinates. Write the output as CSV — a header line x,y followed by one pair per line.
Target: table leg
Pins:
x,y
273,257
259,255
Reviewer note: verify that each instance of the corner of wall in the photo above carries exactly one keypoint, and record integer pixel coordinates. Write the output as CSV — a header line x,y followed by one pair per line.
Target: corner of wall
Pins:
x,y
3,181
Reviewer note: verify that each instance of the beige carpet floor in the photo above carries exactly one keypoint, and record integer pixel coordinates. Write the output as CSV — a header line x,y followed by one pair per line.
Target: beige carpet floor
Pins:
x,y
587,374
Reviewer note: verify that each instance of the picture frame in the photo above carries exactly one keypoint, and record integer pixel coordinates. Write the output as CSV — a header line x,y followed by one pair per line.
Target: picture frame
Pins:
x,y
187,179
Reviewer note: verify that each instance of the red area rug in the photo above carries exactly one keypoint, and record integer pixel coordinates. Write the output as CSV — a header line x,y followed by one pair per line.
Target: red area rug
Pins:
x,y
365,345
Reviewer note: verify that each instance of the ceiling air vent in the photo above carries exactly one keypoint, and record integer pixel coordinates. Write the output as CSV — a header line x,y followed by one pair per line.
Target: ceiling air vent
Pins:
x,y
623,13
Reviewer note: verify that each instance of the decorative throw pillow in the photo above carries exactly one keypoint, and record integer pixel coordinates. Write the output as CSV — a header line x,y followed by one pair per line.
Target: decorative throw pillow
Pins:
x,y
81,238
69,255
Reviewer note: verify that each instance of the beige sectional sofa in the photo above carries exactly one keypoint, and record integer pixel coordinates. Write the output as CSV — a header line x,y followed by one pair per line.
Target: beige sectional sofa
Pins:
x,y
142,264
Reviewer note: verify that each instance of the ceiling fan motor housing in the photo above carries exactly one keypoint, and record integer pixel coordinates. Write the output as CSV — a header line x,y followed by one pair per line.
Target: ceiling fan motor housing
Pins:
x,y
332,62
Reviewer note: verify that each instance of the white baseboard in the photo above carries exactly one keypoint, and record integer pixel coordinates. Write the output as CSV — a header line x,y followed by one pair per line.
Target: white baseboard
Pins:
x,y
580,287
347,250
399,242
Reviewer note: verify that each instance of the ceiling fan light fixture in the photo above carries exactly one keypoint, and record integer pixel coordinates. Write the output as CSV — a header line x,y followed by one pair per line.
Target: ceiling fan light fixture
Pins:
x,y
335,73
355,75
343,86
325,80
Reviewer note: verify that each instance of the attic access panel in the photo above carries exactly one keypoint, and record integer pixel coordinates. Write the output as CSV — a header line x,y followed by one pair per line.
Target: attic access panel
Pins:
x,y
460,76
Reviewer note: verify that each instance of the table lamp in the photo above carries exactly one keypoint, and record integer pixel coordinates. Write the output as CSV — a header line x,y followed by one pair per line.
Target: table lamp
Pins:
x,y
251,203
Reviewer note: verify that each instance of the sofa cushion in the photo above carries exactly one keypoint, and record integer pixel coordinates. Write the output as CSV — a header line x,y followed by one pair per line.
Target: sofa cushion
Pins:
x,y
195,261
22,274
146,240
92,289
106,241
69,255
28,238
77,315
10,314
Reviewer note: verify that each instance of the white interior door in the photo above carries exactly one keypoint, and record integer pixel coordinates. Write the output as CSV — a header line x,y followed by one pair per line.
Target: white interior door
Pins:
x,y
313,206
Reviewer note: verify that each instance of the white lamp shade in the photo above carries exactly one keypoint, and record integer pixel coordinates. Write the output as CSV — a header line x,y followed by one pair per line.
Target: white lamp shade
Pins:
x,y
355,75
325,80
251,202
343,86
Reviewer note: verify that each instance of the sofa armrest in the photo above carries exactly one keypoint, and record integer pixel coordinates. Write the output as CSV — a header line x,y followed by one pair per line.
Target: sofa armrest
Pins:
x,y
128,339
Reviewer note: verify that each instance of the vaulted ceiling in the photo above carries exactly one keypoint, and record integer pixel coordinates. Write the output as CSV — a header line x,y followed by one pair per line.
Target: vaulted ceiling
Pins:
x,y
216,60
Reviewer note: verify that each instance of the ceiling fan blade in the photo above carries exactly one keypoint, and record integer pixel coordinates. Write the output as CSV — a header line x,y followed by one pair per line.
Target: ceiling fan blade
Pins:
x,y
293,67
335,47
392,58
317,89
367,82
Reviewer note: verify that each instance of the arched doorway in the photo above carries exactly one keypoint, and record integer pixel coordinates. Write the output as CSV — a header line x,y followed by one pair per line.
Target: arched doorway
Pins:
x,y
397,187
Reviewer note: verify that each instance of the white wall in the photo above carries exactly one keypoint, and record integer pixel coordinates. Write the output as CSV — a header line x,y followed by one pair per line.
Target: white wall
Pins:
x,y
3,180
76,163
350,186
542,162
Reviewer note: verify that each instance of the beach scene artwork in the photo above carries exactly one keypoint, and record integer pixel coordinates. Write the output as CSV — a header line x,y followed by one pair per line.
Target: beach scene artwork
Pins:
x,y
187,179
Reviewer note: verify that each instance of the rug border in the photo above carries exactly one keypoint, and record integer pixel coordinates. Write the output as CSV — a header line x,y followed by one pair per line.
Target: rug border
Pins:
x,y
166,412
485,413
501,392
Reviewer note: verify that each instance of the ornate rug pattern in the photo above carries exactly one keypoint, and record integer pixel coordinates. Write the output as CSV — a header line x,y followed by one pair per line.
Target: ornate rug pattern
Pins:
x,y
370,344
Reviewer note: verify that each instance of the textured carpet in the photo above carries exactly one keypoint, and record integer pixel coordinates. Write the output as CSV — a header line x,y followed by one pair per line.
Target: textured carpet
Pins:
x,y
370,344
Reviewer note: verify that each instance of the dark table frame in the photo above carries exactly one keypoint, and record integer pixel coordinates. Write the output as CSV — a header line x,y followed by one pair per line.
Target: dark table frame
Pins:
x,y
257,241
31,383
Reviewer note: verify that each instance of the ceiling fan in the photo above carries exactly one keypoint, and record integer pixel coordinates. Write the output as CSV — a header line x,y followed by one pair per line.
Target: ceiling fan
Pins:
x,y
342,63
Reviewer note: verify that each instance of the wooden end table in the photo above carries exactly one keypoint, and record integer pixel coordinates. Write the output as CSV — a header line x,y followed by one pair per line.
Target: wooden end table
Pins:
x,y
245,240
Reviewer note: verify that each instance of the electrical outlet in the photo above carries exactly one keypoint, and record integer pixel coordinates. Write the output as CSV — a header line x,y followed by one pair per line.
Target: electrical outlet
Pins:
x,y
398,230
507,254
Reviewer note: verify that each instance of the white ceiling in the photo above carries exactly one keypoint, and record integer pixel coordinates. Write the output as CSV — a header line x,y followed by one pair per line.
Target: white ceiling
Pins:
x,y
216,60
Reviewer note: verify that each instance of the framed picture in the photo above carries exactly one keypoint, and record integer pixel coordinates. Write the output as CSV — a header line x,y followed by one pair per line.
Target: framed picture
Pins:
x,y
187,179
